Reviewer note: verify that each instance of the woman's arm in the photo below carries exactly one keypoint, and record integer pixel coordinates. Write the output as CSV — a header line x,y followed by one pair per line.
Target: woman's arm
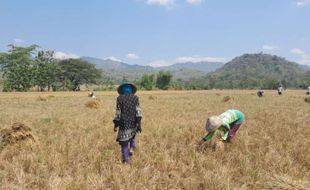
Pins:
x,y
138,116
208,136
117,117
225,128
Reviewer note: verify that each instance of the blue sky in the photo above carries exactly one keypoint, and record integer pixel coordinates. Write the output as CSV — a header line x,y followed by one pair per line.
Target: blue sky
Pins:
x,y
159,32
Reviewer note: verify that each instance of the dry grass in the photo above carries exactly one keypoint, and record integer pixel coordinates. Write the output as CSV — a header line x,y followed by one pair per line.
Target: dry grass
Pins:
x,y
227,99
307,99
77,149
92,104
40,98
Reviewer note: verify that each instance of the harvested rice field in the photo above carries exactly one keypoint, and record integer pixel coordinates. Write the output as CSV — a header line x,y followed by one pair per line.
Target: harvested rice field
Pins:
x,y
65,140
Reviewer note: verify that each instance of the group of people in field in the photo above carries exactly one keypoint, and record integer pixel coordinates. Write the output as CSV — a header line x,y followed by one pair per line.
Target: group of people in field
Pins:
x,y
280,89
127,121
128,117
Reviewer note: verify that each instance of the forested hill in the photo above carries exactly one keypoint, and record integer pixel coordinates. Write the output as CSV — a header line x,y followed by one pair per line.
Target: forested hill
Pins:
x,y
117,71
258,70
246,71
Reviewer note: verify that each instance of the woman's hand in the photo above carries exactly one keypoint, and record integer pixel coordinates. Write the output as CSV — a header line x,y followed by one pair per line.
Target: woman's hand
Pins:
x,y
201,142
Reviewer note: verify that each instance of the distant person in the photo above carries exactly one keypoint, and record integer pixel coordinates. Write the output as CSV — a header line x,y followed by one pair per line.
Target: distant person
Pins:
x,y
228,122
127,119
260,93
280,90
92,94
308,90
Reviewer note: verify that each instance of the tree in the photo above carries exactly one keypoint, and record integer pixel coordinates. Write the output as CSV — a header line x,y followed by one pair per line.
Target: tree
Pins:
x,y
17,66
147,81
163,80
270,83
46,71
77,72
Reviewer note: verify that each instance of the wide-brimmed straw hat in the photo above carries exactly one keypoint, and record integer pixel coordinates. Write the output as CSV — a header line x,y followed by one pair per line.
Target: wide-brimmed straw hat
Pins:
x,y
133,87
213,123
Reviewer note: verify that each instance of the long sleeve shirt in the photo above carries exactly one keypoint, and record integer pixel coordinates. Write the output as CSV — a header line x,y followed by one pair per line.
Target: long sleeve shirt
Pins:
x,y
127,117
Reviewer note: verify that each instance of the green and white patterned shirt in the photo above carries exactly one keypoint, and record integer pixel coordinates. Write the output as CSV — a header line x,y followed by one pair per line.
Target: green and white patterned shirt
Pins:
x,y
229,118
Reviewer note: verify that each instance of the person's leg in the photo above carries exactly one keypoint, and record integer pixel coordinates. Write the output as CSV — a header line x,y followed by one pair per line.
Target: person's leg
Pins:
x,y
232,132
133,143
125,152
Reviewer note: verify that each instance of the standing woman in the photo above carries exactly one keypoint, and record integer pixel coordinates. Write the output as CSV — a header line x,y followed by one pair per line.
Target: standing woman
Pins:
x,y
127,119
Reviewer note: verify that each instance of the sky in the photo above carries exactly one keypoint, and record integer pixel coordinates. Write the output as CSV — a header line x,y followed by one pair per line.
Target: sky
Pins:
x,y
159,32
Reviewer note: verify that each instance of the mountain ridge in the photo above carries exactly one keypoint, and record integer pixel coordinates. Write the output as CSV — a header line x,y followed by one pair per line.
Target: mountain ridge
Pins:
x,y
117,70
255,69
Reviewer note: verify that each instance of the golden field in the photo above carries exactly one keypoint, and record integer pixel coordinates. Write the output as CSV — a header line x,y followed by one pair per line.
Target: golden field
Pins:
x,y
75,144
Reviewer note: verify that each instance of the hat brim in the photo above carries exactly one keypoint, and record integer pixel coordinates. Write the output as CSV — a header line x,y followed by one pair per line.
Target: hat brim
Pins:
x,y
119,89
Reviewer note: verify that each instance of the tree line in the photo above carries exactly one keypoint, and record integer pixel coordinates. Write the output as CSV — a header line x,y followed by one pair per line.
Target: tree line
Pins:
x,y
23,68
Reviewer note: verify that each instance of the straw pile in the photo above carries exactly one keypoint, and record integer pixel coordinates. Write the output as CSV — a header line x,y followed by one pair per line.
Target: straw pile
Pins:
x,y
151,97
17,134
40,98
226,99
92,104
218,146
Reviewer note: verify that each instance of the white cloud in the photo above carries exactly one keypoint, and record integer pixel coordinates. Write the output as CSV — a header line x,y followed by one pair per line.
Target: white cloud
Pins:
x,y
297,51
62,55
302,3
194,2
165,3
18,41
132,56
196,59
112,58
304,57
270,47
160,63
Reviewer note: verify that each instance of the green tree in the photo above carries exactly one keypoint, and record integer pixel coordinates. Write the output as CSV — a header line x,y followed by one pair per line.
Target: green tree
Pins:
x,y
47,70
18,68
77,72
147,81
270,83
163,80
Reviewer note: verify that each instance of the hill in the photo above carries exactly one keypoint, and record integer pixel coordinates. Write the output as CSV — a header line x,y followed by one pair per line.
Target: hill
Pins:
x,y
246,71
117,71
202,66
189,70
258,70
255,71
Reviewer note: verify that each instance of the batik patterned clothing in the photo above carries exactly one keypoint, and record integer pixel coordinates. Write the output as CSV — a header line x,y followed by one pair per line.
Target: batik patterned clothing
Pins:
x,y
128,116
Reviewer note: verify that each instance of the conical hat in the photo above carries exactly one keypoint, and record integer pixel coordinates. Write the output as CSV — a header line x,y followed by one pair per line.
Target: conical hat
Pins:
x,y
213,123
134,88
